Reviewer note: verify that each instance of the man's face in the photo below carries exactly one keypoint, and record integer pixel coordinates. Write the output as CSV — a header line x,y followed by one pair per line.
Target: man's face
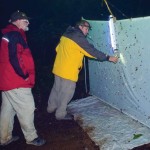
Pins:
x,y
84,28
23,24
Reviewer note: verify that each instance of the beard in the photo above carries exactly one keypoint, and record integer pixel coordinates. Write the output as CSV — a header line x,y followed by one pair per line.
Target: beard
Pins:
x,y
26,29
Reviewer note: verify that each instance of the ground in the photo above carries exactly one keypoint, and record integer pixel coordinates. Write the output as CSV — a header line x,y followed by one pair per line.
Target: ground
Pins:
x,y
60,135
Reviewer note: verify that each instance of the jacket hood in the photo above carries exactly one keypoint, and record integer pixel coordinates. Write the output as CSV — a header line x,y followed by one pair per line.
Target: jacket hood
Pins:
x,y
10,28
71,30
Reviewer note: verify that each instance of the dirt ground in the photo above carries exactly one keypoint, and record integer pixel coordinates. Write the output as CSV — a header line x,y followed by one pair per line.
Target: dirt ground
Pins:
x,y
60,135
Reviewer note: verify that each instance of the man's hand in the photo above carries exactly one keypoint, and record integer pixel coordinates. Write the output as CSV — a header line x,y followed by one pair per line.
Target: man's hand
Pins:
x,y
113,59
27,79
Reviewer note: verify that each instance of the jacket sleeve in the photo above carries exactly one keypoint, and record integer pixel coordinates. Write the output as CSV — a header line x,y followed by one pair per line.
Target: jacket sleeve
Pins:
x,y
14,39
90,49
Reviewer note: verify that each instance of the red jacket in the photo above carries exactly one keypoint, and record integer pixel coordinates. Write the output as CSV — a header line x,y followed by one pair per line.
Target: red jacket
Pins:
x,y
16,62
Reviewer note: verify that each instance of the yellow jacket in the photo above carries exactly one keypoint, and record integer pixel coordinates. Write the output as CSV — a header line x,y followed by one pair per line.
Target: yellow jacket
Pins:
x,y
73,46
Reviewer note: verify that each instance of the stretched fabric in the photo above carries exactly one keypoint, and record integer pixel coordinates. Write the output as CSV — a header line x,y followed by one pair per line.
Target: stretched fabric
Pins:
x,y
125,85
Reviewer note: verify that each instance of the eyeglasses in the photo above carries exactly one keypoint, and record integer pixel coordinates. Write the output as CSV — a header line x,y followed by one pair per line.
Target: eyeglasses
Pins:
x,y
25,21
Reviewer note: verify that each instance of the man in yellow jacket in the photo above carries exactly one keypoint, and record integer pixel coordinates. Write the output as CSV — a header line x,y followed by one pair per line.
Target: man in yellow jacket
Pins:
x,y
72,48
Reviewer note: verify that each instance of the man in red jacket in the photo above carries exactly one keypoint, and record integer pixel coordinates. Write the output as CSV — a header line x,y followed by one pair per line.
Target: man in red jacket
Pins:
x,y
17,75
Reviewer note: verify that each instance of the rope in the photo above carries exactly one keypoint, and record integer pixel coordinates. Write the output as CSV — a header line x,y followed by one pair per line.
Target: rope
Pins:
x,y
108,8
118,10
114,7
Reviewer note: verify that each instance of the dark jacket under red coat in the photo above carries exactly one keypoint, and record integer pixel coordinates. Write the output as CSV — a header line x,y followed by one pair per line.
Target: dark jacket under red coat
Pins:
x,y
16,62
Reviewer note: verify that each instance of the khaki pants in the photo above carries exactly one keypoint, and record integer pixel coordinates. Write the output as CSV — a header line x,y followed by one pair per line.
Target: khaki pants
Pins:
x,y
18,102
61,94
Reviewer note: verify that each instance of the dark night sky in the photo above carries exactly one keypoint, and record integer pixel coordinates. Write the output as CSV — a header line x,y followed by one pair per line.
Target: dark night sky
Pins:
x,y
51,17
71,10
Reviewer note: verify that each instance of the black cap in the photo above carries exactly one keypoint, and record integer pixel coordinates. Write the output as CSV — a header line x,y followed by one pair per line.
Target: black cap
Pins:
x,y
18,15
84,23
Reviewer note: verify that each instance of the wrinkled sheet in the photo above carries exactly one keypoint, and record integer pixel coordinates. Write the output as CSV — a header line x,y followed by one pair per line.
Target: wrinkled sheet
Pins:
x,y
108,127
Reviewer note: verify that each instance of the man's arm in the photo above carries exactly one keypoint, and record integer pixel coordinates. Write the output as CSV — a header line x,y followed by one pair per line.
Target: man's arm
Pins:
x,y
14,39
90,49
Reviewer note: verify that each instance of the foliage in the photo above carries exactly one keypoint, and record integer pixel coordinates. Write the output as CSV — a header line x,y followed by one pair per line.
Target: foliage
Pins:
x,y
136,136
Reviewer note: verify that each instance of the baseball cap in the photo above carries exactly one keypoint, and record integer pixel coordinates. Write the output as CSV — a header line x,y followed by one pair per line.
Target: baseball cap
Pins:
x,y
84,23
18,15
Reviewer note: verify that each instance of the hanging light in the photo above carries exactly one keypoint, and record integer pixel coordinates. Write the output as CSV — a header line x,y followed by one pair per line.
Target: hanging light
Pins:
x,y
113,36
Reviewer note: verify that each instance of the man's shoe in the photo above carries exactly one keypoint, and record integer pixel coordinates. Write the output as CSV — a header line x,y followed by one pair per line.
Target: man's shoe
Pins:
x,y
37,142
13,139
